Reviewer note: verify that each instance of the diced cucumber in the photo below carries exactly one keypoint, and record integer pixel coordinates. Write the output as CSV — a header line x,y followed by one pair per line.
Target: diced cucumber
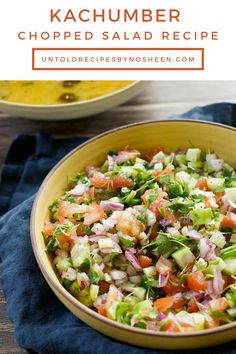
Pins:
x,y
158,166
182,177
199,320
142,307
216,263
228,252
105,243
215,183
230,266
79,253
193,155
233,238
181,160
201,216
231,193
150,271
201,264
218,239
159,156
131,300
85,299
197,164
183,257
63,264
127,170
192,183
93,291
140,293
139,161
111,311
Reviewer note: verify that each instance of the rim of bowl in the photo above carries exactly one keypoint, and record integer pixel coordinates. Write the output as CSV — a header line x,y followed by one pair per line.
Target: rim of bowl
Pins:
x,y
78,103
71,299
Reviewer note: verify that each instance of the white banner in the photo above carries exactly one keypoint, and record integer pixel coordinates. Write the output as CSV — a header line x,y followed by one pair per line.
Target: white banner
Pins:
x,y
145,39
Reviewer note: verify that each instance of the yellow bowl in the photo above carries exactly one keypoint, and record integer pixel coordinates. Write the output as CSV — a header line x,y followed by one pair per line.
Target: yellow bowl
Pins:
x,y
76,109
144,136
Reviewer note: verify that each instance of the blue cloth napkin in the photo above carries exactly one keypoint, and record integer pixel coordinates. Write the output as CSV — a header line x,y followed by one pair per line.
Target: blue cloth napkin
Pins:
x,y
42,323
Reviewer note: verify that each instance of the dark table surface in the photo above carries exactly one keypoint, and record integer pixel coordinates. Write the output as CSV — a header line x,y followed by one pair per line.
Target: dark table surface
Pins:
x,y
158,101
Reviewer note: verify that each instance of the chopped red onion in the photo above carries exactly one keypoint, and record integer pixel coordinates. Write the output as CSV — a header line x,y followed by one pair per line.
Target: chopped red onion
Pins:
x,y
103,301
111,162
135,279
70,274
164,265
194,235
231,312
79,189
133,260
160,316
132,250
192,294
107,250
95,238
91,170
205,303
205,247
163,279
117,274
107,205
130,270
218,281
151,326
165,222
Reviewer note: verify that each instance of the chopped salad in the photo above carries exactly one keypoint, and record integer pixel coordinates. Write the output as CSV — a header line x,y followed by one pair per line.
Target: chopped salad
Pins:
x,y
149,240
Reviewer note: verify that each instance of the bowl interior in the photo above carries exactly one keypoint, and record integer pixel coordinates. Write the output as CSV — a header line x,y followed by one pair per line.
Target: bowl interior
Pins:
x,y
145,136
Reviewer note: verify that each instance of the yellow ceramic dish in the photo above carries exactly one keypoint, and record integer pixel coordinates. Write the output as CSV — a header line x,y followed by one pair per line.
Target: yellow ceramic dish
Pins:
x,y
143,136
78,109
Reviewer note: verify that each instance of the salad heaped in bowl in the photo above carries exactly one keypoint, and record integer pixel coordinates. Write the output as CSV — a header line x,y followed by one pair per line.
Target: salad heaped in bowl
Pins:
x,y
149,240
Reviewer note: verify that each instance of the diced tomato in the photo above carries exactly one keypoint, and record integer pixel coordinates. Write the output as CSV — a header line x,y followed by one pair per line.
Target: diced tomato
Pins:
x,y
173,285
219,304
79,229
228,222
94,214
192,305
150,154
218,197
127,155
49,228
120,182
92,193
207,202
211,321
171,216
64,239
202,184
164,303
153,235
102,311
103,286
196,281
170,326
99,180
67,209
157,203
227,280
144,261
159,174
164,265
178,303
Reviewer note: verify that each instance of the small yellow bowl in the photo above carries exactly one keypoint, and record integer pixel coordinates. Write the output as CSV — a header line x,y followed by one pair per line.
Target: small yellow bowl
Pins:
x,y
76,109
172,135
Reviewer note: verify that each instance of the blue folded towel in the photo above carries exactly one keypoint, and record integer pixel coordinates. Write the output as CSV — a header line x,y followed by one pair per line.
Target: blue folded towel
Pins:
x,y
42,323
